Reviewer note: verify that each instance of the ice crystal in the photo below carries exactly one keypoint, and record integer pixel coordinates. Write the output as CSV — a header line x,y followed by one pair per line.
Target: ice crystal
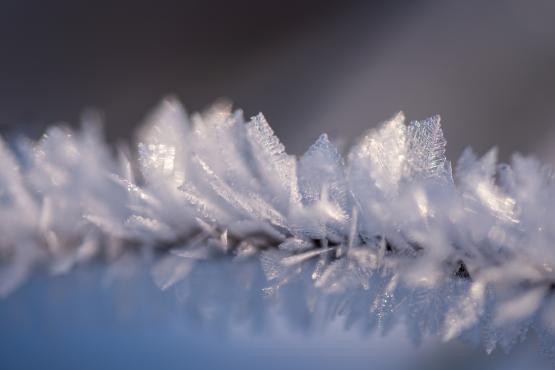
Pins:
x,y
388,235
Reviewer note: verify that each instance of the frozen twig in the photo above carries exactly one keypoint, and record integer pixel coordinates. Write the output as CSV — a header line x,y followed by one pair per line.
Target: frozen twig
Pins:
x,y
387,235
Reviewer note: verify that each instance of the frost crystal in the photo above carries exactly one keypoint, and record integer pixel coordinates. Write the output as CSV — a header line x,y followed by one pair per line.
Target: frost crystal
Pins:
x,y
387,236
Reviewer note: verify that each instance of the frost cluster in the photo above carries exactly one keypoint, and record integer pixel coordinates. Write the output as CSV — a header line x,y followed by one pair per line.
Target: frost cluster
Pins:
x,y
387,234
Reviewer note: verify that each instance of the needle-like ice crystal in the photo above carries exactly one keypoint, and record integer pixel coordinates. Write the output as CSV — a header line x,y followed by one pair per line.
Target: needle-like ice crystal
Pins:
x,y
388,234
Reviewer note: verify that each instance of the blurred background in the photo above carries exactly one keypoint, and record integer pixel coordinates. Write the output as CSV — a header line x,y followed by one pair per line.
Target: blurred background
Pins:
x,y
311,66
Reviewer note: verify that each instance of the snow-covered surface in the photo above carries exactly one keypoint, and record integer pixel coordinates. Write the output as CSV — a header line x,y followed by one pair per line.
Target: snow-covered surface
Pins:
x,y
385,237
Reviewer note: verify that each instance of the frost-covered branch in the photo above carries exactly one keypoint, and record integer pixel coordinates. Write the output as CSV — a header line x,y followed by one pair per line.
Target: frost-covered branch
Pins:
x,y
387,235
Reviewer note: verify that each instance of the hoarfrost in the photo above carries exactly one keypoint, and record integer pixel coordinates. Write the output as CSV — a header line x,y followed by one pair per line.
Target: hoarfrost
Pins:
x,y
384,237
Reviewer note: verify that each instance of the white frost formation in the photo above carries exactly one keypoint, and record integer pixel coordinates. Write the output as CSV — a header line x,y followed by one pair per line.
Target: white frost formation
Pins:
x,y
387,235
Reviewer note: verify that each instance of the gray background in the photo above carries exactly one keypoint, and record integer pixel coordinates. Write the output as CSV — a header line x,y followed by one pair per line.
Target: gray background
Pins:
x,y
310,66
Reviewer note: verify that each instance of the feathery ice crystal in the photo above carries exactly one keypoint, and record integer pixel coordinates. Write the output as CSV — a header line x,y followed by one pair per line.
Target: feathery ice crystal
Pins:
x,y
387,235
